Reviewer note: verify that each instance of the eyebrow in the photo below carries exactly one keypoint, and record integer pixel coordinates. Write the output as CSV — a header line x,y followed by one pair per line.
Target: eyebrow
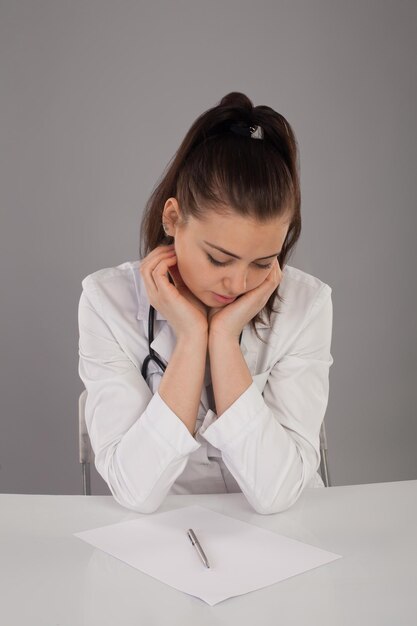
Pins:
x,y
235,255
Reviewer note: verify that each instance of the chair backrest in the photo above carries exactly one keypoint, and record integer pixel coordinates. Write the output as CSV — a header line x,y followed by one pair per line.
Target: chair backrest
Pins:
x,y
86,454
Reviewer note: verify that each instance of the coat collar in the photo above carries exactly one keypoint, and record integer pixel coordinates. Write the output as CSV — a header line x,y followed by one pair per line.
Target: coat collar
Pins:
x,y
142,298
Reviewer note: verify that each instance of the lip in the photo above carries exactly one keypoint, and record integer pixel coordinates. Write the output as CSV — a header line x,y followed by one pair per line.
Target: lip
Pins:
x,y
221,298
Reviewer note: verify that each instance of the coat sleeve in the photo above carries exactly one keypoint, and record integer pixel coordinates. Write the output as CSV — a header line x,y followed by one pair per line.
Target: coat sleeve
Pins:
x,y
270,440
140,445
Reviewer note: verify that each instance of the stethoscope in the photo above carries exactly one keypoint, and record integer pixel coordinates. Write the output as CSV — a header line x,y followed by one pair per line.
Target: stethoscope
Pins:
x,y
152,356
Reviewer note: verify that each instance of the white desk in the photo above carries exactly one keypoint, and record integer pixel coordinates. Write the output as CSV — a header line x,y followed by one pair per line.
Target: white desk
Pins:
x,y
48,577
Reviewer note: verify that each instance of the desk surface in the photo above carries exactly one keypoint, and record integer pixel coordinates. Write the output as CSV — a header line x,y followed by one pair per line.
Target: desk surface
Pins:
x,y
49,577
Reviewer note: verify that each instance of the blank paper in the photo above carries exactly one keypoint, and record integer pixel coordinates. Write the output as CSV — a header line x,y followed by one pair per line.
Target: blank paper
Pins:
x,y
242,557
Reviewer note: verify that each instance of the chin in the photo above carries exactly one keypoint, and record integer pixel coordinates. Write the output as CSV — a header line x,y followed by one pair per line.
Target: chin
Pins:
x,y
206,299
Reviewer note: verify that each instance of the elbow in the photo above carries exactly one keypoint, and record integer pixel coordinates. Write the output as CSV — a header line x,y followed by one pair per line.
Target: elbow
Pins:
x,y
138,505
134,501
297,478
278,506
270,510
285,495
122,491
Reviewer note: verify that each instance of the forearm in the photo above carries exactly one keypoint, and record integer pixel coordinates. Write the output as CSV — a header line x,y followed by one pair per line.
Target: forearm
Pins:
x,y
181,384
229,373
271,464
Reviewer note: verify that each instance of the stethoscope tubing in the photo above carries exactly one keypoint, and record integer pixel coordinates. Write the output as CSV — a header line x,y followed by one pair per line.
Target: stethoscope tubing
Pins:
x,y
152,356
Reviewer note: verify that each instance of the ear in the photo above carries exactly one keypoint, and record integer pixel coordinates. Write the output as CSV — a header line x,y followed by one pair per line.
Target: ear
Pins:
x,y
171,216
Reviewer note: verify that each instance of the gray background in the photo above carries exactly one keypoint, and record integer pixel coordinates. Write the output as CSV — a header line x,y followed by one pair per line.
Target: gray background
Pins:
x,y
96,97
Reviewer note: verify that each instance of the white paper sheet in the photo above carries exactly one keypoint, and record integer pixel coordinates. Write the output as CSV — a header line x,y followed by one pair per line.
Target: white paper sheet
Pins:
x,y
242,557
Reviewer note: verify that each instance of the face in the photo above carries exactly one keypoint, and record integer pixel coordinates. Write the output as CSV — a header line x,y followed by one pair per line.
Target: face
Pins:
x,y
248,249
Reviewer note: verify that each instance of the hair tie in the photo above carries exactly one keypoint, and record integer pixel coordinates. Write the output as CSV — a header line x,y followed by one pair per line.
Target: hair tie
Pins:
x,y
243,129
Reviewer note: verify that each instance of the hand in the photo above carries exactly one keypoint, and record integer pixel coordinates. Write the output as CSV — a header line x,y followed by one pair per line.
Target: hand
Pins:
x,y
229,321
186,313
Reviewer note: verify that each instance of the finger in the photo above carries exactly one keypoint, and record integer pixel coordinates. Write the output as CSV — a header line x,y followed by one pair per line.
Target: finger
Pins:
x,y
149,263
156,254
160,275
175,273
157,251
151,271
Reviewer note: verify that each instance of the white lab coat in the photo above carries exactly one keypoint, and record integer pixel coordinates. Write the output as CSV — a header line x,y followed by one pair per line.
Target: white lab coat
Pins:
x,y
266,444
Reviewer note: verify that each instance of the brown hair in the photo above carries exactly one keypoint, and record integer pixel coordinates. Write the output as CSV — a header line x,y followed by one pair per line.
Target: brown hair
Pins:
x,y
218,170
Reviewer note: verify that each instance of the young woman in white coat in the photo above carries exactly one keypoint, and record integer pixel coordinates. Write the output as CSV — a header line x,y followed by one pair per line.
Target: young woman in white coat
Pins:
x,y
234,393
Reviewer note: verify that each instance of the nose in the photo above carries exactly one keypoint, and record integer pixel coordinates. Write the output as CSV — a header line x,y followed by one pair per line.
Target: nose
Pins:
x,y
234,283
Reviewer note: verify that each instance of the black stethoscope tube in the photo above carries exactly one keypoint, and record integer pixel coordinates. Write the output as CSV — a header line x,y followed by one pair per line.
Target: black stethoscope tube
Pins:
x,y
152,356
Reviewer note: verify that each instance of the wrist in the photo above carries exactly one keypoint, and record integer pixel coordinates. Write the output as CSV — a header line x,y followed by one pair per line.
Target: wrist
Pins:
x,y
193,337
221,338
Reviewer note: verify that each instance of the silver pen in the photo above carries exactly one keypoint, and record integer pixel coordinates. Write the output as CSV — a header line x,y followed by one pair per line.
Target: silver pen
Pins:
x,y
192,536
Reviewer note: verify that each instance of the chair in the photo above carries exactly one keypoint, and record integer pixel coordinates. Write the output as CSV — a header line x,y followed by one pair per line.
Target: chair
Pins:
x,y
85,450
86,453
324,467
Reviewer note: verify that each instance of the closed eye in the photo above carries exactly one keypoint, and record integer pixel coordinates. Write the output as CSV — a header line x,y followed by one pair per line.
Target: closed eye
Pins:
x,y
219,264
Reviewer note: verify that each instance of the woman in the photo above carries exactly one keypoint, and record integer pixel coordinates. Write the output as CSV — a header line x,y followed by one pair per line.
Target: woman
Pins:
x,y
235,389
